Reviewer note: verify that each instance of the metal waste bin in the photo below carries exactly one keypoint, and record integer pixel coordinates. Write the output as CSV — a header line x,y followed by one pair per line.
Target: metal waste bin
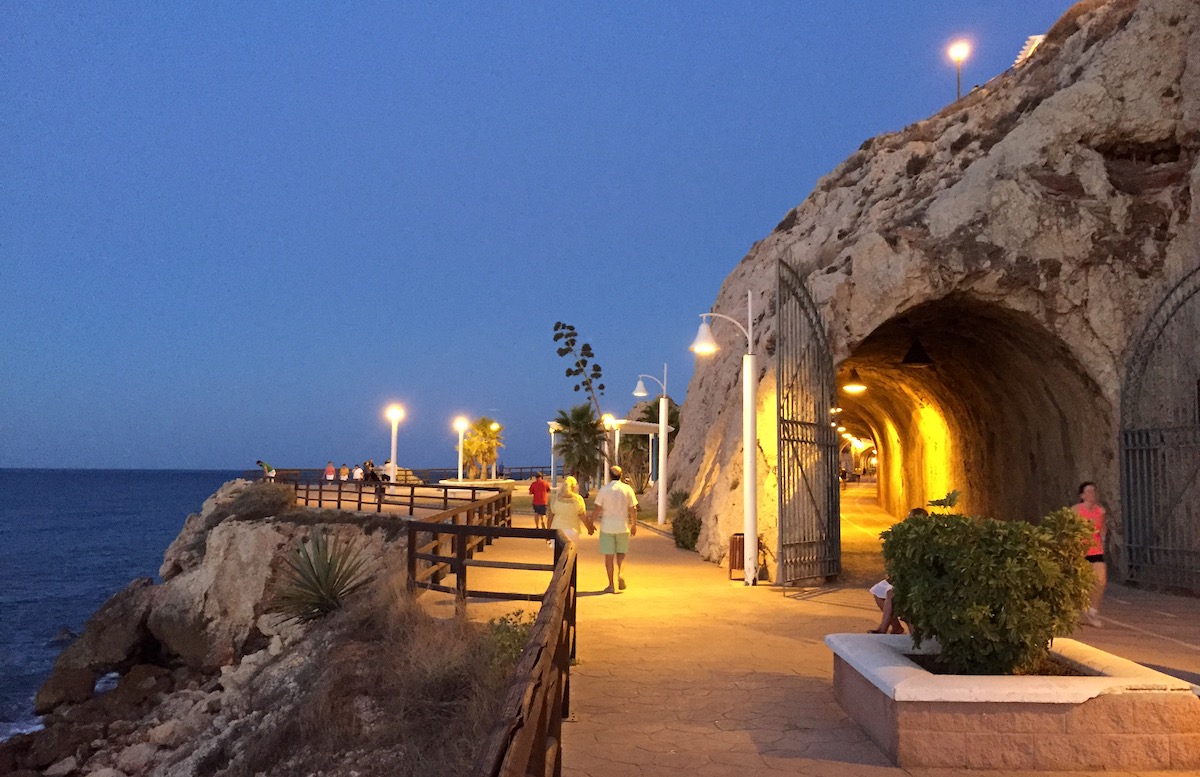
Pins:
x,y
737,556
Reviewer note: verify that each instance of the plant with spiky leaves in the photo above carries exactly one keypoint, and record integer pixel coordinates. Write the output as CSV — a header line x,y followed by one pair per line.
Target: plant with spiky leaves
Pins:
x,y
318,578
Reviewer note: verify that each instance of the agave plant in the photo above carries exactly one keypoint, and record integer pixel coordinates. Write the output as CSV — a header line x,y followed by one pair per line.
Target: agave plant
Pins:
x,y
318,578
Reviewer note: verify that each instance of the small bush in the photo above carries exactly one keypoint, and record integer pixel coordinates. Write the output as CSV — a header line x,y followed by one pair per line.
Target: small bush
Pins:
x,y
261,500
677,499
510,634
318,578
992,593
686,528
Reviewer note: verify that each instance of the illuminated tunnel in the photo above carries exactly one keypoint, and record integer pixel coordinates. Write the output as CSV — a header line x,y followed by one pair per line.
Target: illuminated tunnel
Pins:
x,y
1000,410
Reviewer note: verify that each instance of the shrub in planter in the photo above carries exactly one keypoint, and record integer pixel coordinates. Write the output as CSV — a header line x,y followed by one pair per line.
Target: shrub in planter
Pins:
x,y
686,528
993,593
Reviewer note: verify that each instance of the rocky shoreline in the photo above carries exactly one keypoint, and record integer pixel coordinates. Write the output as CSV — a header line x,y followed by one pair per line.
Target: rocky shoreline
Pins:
x,y
202,667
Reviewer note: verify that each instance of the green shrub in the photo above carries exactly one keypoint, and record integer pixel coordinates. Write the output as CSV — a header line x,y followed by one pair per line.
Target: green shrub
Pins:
x,y
318,578
510,634
677,499
992,593
686,528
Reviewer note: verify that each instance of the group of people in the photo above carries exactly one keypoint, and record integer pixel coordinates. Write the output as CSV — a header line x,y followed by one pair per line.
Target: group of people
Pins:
x,y
614,513
364,472
1088,507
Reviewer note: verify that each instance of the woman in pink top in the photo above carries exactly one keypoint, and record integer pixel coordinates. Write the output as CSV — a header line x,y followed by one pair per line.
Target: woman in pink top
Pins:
x,y
1089,507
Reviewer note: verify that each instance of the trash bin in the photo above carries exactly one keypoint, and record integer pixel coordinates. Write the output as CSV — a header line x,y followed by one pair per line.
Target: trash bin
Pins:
x,y
737,556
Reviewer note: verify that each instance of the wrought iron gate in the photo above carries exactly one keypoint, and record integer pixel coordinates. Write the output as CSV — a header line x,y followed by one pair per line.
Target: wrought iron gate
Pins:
x,y
1160,444
809,519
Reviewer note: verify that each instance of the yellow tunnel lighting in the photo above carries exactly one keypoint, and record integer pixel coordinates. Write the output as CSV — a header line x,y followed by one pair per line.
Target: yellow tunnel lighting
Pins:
x,y
854,384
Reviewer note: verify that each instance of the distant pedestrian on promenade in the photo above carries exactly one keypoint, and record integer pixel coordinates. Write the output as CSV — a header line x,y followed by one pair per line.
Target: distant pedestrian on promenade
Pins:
x,y
1090,509
344,473
540,489
330,472
389,471
359,472
268,470
616,509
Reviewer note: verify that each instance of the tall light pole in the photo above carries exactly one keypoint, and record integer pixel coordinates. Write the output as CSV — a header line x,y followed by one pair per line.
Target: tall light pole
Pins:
x,y
640,391
461,425
395,414
958,52
703,345
495,427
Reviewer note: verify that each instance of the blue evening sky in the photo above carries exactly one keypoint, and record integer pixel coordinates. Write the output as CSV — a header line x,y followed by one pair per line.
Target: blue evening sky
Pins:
x,y
232,231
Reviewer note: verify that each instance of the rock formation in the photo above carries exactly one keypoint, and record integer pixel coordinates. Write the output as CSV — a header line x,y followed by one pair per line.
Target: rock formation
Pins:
x,y
1023,234
199,661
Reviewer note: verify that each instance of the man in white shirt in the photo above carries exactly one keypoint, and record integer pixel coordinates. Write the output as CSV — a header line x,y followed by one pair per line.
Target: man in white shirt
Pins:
x,y
616,508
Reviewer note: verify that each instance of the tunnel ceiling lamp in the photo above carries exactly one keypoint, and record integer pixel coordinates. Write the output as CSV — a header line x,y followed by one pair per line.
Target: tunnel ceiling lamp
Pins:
x,y
916,355
854,384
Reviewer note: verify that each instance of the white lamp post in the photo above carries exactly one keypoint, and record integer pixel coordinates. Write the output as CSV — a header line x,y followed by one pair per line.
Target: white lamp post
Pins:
x,y
705,344
958,53
554,427
609,424
395,414
460,425
640,391
495,427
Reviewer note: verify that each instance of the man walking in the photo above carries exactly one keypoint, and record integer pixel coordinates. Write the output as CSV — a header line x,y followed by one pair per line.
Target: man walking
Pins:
x,y
539,488
616,507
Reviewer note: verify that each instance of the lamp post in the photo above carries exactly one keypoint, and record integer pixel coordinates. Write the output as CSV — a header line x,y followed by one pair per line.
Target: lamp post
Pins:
x,y
640,391
395,414
958,52
495,427
705,344
460,425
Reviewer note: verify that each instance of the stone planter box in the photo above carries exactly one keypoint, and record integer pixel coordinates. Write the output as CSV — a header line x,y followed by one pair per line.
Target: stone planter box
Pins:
x,y
1121,716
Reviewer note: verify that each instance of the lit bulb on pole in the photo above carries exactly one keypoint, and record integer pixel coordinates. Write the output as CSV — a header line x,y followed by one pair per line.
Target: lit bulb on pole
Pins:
x,y
958,52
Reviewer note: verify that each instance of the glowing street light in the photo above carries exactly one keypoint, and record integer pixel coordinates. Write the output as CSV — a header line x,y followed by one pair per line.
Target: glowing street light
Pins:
x,y
461,424
706,344
958,52
495,427
640,391
395,414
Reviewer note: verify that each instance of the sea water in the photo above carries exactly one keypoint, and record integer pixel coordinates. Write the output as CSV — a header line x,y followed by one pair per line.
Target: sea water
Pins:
x,y
70,539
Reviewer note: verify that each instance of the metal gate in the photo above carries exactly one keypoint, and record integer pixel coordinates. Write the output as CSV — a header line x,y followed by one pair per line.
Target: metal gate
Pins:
x,y
1160,444
809,519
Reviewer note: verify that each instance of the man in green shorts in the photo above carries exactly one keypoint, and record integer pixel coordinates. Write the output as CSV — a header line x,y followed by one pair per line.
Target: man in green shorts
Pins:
x,y
616,507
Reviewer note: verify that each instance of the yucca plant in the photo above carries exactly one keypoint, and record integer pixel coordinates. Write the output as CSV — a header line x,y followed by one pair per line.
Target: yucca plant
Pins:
x,y
318,578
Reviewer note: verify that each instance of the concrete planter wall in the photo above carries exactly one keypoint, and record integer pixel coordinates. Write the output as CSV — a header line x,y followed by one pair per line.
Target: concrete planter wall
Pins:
x,y
1121,716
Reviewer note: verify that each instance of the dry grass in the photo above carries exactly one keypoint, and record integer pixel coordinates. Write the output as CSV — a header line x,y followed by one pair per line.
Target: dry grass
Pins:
x,y
399,692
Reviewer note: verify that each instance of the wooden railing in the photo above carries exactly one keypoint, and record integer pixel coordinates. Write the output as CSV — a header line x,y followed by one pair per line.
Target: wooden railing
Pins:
x,y
527,736
404,498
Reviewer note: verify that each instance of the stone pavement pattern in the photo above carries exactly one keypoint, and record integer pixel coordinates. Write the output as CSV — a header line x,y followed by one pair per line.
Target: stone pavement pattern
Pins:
x,y
687,673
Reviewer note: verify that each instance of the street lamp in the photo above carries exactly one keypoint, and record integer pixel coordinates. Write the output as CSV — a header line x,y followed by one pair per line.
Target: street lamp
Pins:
x,y
640,391
958,52
395,414
495,427
461,424
705,344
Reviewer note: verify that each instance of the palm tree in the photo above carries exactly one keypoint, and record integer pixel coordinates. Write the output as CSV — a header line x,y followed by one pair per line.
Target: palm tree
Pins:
x,y
650,413
480,446
580,441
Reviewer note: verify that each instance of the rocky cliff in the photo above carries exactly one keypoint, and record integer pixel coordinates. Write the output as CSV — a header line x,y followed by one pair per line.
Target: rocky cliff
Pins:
x,y
1023,233
200,666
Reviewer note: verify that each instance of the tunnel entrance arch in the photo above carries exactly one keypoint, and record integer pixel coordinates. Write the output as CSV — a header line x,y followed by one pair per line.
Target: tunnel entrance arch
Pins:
x,y
967,394
809,523
1160,444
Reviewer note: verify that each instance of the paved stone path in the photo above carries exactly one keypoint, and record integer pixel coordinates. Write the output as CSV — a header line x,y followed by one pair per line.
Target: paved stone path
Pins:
x,y
687,673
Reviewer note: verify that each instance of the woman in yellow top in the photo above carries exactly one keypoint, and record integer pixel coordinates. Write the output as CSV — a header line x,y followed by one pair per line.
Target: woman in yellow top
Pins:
x,y
568,510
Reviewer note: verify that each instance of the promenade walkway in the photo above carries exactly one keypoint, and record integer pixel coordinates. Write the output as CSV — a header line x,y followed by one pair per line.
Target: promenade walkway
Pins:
x,y
688,673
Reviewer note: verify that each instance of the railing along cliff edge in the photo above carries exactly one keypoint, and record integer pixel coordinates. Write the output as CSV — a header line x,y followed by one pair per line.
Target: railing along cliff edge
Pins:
x,y
527,736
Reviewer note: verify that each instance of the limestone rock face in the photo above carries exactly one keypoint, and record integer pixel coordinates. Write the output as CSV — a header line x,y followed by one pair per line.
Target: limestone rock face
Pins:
x,y
1025,230
186,550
